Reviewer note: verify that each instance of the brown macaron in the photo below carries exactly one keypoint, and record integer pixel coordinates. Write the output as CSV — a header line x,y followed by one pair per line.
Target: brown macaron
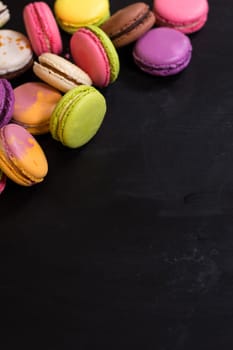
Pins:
x,y
129,24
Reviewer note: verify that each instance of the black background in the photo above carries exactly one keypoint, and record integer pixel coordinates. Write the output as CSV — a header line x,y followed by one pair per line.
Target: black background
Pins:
x,y
128,243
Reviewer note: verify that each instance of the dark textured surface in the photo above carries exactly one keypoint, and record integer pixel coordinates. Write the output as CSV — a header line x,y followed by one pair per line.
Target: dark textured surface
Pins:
x,y
128,243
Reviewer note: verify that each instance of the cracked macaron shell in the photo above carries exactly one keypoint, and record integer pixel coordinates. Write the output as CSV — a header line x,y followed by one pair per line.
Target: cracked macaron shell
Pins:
x,y
78,116
162,51
21,157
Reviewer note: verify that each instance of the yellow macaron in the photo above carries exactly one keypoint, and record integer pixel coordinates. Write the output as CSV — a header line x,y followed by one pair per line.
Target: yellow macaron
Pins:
x,y
72,14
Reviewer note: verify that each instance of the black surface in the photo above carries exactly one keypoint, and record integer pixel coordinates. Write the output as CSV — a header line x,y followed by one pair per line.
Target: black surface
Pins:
x,y
128,243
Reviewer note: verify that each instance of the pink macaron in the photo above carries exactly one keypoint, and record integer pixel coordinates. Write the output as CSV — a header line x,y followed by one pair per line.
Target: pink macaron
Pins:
x,y
93,51
42,28
187,16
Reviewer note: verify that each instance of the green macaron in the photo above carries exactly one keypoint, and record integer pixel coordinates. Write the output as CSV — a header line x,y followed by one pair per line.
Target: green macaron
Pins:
x,y
78,116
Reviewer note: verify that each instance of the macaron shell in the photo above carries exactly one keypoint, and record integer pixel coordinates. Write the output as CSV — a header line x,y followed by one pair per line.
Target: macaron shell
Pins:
x,y
78,116
72,14
34,104
24,152
6,102
15,53
42,28
129,23
162,51
2,181
181,12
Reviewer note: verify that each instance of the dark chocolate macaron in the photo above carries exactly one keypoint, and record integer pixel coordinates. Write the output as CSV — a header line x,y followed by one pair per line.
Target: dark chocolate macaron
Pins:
x,y
129,23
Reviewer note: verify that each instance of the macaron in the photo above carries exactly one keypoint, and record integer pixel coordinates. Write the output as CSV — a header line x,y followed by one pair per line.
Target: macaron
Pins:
x,y
93,51
4,14
187,16
6,102
21,157
41,27
72,14
34,104
162,51
2,181
16,55
129,23
78,116
60,72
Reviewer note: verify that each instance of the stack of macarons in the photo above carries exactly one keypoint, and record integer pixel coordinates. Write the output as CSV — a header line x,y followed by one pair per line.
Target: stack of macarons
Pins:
x,y
66,102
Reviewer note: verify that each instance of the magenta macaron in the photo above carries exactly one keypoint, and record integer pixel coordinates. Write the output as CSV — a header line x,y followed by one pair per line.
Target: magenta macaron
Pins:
x,y
162,52
42,28
6,102
187,16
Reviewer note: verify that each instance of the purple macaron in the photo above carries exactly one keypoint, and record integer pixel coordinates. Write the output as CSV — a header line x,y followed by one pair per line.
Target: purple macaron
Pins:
x,y
162,51
7,100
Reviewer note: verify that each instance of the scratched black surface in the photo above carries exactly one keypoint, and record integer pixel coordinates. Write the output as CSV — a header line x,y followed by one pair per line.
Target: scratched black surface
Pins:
x,y
128,243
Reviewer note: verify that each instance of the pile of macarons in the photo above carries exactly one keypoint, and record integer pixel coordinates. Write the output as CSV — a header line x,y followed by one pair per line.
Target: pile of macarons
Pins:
x,y
65,99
